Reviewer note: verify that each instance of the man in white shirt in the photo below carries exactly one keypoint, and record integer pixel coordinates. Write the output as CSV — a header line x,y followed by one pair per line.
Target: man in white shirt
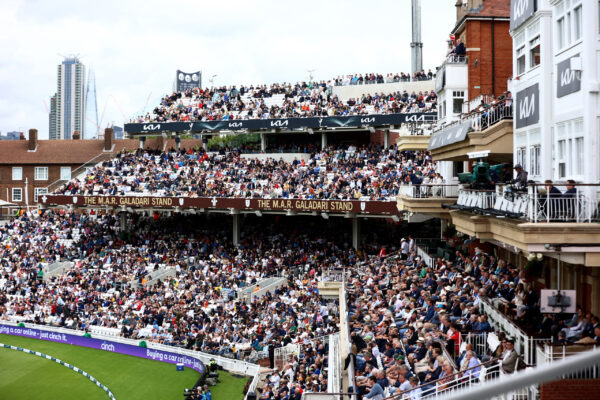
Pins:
x,y
414,394
404,249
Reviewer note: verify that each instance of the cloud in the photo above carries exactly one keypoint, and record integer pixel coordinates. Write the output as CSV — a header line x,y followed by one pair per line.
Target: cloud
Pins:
x,y
135,47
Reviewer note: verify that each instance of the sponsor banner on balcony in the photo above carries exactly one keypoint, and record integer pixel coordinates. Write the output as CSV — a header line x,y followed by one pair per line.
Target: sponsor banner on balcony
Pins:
x,y
106,345
353,121
302,205
453,134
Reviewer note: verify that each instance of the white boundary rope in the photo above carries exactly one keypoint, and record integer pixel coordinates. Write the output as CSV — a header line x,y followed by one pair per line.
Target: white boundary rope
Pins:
x,y
56,360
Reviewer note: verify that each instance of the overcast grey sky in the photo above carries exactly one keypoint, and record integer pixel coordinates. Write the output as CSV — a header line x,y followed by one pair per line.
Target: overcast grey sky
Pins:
x,y
135,47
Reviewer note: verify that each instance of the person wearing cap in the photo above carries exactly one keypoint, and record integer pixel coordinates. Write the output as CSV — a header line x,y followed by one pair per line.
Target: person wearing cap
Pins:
x,y
521,179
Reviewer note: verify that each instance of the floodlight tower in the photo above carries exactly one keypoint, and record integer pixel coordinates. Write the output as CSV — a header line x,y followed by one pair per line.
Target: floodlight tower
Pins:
x,y
416,46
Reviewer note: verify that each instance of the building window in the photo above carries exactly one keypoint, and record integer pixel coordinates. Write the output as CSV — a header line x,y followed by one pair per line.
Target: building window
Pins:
x,y
521,156
560,32
534,160
17,173
41,173
521,60
577,21
65,173
17,194
570,149
37,192
578,156
562,162
569,23
457,101
534,52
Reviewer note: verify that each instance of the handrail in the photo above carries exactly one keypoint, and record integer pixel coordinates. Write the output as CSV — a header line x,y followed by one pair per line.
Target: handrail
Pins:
x,y
535,376
74,173
394,396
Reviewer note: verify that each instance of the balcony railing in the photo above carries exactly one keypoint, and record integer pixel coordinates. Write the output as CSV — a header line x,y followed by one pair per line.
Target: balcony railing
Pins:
x,y
454,59
429,190
482,121
534,205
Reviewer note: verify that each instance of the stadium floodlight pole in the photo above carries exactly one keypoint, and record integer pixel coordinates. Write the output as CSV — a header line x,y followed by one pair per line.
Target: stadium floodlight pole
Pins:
x,y
416,46
212,80
310,74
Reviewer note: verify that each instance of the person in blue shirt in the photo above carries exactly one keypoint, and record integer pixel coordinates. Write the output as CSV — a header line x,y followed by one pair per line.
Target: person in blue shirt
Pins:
x,y
376,392
206,394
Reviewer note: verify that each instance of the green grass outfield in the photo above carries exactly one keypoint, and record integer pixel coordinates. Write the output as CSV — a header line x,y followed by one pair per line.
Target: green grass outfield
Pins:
x,y
28,377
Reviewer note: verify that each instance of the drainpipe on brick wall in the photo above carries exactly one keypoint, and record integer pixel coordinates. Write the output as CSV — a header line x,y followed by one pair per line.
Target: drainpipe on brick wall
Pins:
x,y
493,58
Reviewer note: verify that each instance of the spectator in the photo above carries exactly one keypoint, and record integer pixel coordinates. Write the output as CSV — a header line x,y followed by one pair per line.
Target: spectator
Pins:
x,y
521,179
510,358
460,49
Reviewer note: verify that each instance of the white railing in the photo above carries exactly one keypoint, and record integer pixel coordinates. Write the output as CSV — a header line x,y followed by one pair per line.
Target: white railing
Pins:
x,y
545,207
257,291
334,372
333,274
271,288
532,206
524,344
79,172
155,276
419,129
57,268
454,59
482,121
285,354
522,385
425,256
471,105
429,190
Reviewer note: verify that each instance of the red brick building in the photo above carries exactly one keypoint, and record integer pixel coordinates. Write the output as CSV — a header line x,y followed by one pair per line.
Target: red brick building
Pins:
x,y
31,167
483,26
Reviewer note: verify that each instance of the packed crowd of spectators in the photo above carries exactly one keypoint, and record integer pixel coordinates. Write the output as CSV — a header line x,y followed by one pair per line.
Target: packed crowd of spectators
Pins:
x,y
412,323
195,308
255,148
281,101
408,319
336,173
372,78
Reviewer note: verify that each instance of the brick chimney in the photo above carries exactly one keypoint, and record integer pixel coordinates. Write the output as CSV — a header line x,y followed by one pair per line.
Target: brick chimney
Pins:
x,y
108,139
76,135
33,141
